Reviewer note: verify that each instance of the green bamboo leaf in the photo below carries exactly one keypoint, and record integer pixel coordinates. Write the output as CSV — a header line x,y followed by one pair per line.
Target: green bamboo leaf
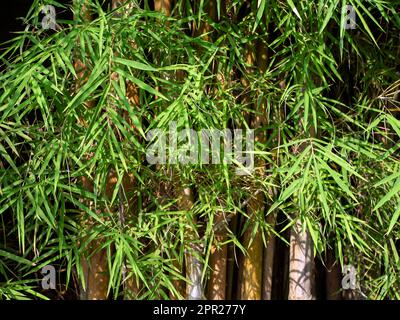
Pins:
x,y
293,7
286,194
260,12
394,219
328,15
394,191
141,84
135,64
341,183
11,256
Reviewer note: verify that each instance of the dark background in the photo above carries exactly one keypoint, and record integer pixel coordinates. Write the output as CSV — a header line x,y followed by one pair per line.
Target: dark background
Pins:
x,y
9,14
13,10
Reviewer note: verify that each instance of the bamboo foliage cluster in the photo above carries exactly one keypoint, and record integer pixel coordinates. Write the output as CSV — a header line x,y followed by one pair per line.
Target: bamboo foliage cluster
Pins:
x,y
76,191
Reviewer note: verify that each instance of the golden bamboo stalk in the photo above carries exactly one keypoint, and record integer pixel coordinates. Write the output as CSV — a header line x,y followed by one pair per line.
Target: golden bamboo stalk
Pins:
x,y
269,249
268,261
131,284
231,262
218,262
164,6
301,264
194,252
250,273
301,260
333,277
185,203
94,268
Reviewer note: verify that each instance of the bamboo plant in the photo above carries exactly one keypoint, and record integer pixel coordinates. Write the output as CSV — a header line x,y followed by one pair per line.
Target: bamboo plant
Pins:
x,y
77,192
